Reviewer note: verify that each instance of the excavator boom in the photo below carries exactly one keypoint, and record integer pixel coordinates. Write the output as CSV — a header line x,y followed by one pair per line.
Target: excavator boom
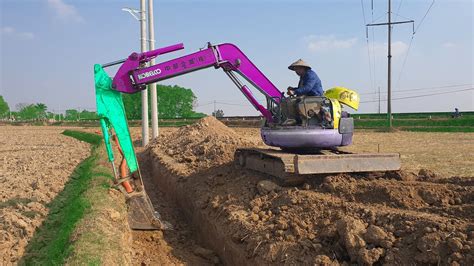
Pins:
x,y
132,78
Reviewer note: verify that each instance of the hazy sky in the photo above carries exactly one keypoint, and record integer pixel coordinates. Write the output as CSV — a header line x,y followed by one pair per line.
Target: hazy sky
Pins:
x,y
48,48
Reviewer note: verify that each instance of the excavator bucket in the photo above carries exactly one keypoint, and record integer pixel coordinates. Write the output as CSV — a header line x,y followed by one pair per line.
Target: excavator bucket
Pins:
x,y
141,215
111,111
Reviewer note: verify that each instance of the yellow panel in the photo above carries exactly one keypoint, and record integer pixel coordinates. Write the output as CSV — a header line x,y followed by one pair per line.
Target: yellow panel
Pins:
x,y
345,96
336,112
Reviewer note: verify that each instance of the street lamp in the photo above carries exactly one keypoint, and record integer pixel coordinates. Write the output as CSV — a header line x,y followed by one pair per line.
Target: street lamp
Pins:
x,y
141,18
134,12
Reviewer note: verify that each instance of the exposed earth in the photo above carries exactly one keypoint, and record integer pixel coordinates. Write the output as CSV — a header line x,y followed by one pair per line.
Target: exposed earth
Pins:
x,y
223,214
35,163
390,218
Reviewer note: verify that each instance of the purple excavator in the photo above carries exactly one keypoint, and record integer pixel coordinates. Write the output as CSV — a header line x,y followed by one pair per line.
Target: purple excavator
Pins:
x,y
291,123
307,129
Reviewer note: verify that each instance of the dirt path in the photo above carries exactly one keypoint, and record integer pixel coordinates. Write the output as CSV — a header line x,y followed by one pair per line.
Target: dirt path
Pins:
x,y
35,163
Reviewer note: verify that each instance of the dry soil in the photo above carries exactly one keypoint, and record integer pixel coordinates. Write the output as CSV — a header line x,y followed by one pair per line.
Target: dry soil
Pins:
x,y
35,163
412,216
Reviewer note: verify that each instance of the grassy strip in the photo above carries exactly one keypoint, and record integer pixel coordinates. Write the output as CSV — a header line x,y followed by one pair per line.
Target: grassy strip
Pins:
x,y
459,122
433,115
53,242
93,139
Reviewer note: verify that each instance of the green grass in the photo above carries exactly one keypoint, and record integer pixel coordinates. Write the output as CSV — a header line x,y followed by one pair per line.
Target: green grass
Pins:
x,y
459,122
93,139
417,122
433,115
51,243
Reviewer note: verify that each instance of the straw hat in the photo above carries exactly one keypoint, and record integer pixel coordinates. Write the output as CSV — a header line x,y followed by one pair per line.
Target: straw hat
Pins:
x,y
299,62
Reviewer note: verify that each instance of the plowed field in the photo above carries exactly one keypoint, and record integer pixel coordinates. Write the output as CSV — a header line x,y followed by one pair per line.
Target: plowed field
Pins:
x,y
35,163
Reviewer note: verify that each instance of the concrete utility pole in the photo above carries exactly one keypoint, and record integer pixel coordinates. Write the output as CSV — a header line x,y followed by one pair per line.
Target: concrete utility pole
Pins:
x,y
152,87
379,99
145,137
389,68
389,56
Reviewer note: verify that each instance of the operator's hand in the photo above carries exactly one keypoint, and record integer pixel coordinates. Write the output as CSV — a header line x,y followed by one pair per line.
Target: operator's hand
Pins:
x,y
290,91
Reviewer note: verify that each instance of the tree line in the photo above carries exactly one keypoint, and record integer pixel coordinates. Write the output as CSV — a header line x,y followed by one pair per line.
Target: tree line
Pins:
x,y
173,102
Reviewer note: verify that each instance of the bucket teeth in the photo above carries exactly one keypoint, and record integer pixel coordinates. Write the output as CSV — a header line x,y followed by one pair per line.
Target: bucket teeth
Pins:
x,y
142,216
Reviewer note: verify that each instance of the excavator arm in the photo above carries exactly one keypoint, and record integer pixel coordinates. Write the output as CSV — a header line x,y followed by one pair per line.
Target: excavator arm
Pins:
x,y
133,76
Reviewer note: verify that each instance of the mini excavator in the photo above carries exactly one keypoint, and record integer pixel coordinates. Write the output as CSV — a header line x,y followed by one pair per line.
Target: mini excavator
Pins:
x,y
306,129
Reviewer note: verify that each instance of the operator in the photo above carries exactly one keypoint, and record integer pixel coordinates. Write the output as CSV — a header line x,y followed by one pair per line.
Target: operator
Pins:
x,y
309,85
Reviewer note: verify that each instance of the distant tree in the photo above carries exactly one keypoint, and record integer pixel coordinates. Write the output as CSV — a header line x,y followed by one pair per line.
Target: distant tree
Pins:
x,y
14,115
173,102
29,112
88,115
41,110
20,106
71,114
4,108
50,115
218,113
133,105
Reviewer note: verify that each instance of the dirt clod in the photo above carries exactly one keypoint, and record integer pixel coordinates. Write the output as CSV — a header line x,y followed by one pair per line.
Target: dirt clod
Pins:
x,y
266,186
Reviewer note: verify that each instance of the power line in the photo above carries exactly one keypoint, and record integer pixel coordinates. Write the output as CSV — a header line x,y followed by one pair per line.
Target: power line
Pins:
x,y
235,104
423,19
405,60
389,23
204,104
425,88
368,45
423,95
398,15
377,19
398,9
373,46
411,41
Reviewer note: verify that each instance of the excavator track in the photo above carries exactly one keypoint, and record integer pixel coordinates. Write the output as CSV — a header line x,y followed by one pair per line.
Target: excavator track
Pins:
x,y
293,168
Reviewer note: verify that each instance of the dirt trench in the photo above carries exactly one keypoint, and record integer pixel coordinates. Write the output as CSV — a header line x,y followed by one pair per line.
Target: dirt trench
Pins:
x,y
245,218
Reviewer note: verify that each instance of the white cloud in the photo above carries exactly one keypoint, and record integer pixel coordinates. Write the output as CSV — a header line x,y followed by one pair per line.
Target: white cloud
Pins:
x,y
399,48
316,43
449,45
12,32
7,30
65,11
26,35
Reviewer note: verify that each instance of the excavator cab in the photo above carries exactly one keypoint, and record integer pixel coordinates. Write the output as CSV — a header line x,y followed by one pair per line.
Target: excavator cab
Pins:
x,y
307,111
313,122
317,111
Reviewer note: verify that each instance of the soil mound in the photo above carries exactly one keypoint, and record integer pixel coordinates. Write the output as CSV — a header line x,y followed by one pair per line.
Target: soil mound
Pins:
x,y
200,146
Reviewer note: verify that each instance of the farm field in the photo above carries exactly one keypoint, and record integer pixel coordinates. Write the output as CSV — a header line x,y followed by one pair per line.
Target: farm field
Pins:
x,y
35,163
221,214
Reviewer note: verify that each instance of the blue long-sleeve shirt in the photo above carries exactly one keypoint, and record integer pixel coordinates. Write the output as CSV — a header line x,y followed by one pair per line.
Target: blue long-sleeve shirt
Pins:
x,y
310,85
